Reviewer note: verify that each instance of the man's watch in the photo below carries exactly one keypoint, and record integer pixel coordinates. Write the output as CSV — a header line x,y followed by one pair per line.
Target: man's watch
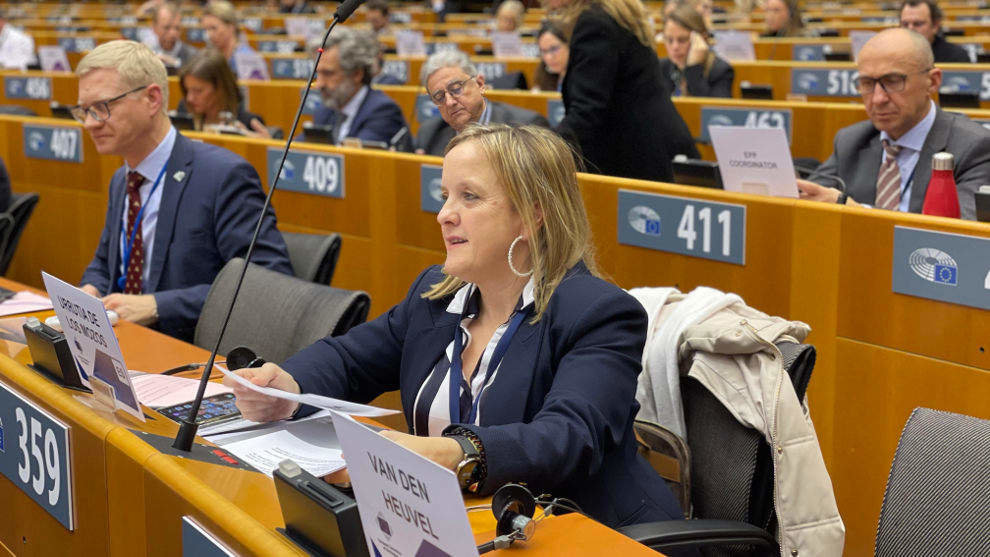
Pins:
x,y
843,197
469,468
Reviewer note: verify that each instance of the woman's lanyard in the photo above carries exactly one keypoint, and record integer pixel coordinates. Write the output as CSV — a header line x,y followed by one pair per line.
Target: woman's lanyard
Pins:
x,y
138,221
456,372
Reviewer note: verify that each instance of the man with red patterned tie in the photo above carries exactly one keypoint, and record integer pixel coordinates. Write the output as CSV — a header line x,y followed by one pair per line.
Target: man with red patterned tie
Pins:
x,y
178,209
886,161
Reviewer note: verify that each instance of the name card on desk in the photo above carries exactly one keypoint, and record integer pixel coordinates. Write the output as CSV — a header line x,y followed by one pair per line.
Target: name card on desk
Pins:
x,y
21,87
754,160
292,68
735,45
34,455
744,118
941,266
430,194
409,505
308,172
819,82
54,143
53,59
507,44
250,65
683,225
252,24
77,44
954,81
409,43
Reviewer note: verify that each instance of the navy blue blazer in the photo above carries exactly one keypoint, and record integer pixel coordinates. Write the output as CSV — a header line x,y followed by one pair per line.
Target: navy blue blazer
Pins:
x,y
378,118
560,415
211,200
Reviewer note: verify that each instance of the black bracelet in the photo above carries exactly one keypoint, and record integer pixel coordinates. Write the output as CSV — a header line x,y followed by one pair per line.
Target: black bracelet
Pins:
x,y
843,197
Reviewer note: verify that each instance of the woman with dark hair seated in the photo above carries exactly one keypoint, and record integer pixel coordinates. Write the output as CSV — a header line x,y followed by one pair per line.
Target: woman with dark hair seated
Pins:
x,y
691,67
553,57
211,95
515,361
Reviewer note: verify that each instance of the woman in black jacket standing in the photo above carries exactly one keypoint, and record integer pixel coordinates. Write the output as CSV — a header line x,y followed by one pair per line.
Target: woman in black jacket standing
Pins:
x,y
618,109
691,68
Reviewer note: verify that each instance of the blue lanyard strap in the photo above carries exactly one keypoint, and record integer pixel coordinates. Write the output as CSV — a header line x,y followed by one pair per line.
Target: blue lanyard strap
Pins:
x,y
456,372
138,221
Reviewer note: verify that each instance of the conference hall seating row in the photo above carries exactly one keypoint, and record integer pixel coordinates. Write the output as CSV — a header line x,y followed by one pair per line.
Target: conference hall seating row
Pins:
x,y
881,353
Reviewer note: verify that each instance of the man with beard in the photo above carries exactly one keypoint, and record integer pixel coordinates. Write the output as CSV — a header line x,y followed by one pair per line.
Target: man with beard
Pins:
x,y
351,107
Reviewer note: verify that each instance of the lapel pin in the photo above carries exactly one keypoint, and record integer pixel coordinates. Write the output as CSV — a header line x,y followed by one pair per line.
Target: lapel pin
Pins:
x,y
179,176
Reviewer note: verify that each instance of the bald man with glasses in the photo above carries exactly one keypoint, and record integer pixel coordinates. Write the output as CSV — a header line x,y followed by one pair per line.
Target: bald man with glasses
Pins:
x,y
886,161
178,209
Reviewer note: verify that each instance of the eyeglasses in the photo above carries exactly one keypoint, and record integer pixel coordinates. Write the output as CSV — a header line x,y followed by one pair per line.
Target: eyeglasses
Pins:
x,y
100,110
890,83
455,88
552,50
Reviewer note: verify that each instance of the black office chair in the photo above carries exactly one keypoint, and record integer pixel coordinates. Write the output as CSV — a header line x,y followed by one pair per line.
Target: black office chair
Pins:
x,y
937,500
6,228
275,315
726,471
313,256
21,207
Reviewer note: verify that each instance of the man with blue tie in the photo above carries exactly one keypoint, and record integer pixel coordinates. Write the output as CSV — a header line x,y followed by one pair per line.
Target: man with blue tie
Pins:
x,y
350,106
886,161
178,209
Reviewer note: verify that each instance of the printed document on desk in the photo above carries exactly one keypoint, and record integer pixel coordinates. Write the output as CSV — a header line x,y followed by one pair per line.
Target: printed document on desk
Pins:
x,y
310,442
324,402
754,160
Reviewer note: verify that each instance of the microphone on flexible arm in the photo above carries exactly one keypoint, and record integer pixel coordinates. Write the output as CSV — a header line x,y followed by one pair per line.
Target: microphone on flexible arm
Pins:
x,y
188,427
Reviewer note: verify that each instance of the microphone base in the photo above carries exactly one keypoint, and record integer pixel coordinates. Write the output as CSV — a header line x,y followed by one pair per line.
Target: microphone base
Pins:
x,y
187,434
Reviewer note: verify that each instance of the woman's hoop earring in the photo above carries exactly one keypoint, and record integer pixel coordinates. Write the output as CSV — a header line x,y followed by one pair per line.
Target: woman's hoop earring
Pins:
x,y
512,267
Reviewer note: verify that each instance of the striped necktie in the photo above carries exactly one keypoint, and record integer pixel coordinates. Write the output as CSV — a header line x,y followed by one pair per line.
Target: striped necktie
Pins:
x,y
889,179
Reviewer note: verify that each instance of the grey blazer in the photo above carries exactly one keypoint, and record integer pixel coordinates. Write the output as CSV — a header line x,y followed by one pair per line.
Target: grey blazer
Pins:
x,y
857,155
434,134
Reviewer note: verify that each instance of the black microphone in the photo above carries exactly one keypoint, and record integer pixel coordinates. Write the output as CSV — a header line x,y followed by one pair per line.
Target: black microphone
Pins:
x,y
188,426
814,172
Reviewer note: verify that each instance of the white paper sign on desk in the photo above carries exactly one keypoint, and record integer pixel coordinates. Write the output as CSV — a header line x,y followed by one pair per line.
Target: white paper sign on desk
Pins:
x,y
754,160
250,65
53,59
735,46
93,343
410,43
409,505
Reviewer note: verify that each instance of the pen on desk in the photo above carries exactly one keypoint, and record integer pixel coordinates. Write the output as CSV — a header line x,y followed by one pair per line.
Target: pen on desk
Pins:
x,y
186,367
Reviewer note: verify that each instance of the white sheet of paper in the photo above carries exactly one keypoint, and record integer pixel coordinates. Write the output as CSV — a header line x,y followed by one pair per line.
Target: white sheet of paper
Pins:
x,y
24,302
93,343
318,401
158,391
311,443
409,504
735,45
754,160
506,44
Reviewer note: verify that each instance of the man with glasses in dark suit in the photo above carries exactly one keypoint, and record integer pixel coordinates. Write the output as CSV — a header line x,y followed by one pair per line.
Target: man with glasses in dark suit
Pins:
x,y
886,161
178,209
458,90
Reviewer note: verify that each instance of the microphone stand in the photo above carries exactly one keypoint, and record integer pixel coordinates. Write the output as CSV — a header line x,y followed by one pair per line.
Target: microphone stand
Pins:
x,y
188,426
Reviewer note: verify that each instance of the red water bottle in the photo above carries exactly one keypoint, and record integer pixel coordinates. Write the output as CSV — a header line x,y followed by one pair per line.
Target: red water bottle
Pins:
x,y
942,199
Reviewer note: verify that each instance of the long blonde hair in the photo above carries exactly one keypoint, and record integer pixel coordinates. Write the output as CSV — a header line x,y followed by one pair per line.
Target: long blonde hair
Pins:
x,y
537,169
629,14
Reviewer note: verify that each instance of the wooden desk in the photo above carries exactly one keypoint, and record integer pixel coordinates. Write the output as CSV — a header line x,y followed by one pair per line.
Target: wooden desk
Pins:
x,y
130,498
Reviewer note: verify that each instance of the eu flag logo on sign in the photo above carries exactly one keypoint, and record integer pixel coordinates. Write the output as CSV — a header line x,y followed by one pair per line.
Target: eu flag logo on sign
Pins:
x,y
945,274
